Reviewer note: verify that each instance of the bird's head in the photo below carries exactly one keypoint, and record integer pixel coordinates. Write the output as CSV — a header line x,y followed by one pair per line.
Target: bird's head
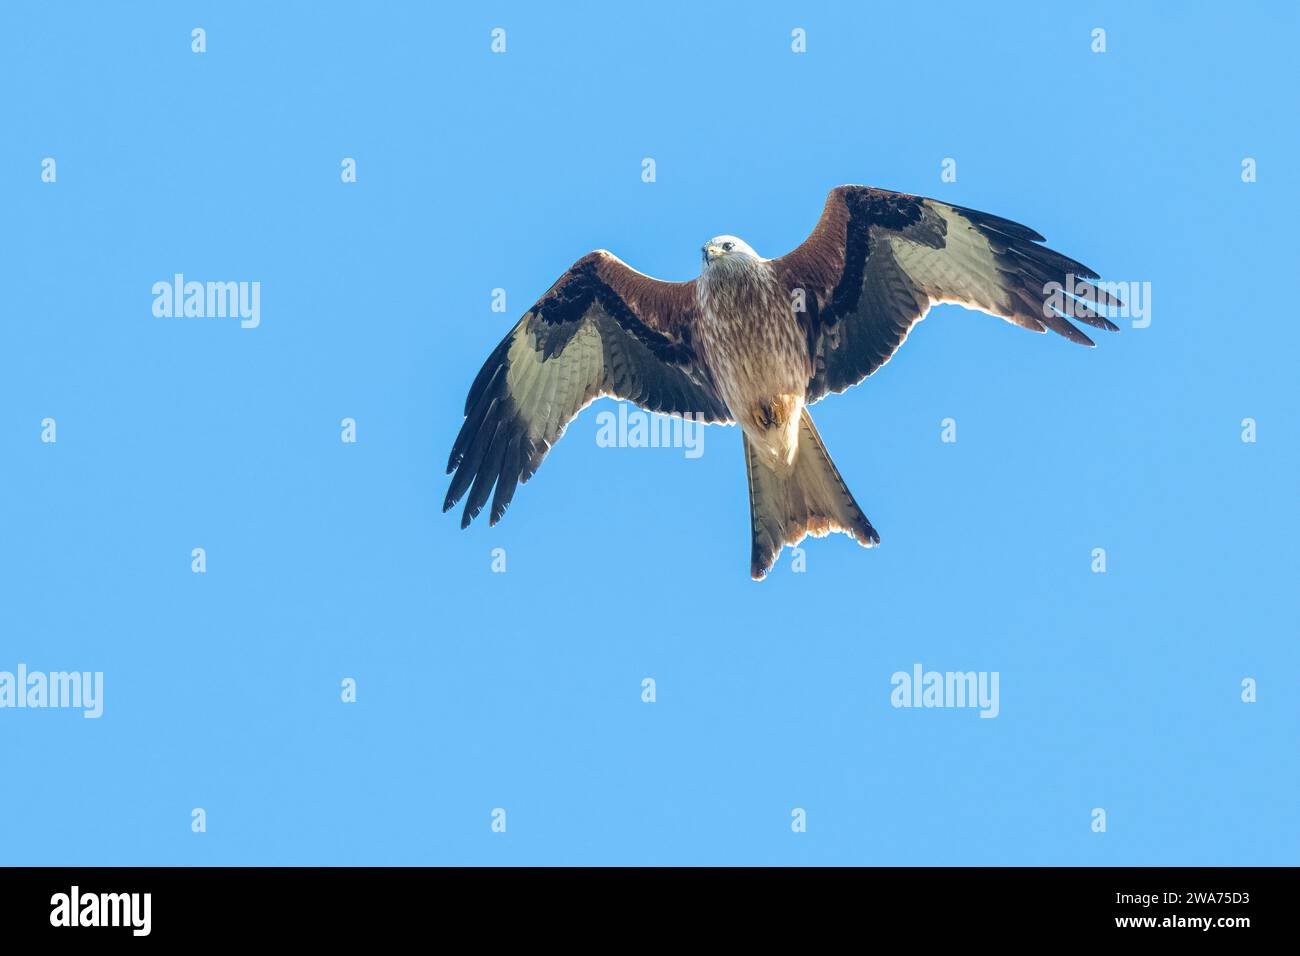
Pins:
x,y
724,249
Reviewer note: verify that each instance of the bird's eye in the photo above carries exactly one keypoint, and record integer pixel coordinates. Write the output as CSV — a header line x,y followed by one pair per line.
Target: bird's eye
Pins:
x,y
728,246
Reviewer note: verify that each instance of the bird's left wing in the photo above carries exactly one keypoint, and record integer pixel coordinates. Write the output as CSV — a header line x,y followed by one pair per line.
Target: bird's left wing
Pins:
x,y
877,261
602,329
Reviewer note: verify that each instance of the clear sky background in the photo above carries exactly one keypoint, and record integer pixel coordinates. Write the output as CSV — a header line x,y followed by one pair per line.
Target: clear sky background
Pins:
x,y
522,690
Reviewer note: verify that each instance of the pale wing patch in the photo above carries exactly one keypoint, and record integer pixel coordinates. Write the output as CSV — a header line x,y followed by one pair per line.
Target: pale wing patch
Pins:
x,y
963,272
549,392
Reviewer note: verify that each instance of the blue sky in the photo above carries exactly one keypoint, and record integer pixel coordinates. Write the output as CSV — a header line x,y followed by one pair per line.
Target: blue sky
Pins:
x,y
523,690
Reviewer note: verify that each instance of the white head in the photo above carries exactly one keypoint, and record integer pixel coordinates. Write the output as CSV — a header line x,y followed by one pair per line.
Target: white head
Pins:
x,y
722,250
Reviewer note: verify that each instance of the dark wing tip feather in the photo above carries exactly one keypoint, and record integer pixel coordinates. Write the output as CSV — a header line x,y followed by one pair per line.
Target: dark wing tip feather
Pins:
x,y
1030,270
495,458
1006,227
1079,311
508,479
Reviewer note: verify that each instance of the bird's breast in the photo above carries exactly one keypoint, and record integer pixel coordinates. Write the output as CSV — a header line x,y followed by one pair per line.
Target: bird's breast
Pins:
x,y
756,351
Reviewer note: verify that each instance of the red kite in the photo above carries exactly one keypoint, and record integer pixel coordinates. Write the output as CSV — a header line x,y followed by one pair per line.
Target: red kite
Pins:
x,y
754,341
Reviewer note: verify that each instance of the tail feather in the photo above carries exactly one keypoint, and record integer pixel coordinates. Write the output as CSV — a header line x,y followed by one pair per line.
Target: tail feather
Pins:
x,y
809,499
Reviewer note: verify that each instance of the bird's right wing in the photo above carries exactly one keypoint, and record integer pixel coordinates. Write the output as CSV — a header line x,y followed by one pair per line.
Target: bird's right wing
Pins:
x,y
877,261
602,329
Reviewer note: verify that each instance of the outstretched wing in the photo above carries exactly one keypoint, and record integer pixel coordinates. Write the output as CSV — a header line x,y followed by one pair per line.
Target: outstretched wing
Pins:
x,y
878,260
602,329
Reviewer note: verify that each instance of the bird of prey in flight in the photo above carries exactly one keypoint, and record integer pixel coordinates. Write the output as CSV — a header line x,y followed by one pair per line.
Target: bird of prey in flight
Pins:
x,y
755,341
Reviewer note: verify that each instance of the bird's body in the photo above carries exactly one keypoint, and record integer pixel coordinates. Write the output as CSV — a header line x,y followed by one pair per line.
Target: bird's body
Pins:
x,y
751,344
754,341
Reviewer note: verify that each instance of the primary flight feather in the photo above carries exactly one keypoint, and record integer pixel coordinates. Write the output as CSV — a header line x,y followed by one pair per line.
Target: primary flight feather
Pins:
x,y
754,341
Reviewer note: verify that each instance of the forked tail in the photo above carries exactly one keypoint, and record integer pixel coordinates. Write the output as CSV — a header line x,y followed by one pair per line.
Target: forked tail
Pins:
x,y
810,499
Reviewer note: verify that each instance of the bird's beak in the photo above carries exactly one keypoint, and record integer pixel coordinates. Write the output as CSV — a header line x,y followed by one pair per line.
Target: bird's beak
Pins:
x,y
711,252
